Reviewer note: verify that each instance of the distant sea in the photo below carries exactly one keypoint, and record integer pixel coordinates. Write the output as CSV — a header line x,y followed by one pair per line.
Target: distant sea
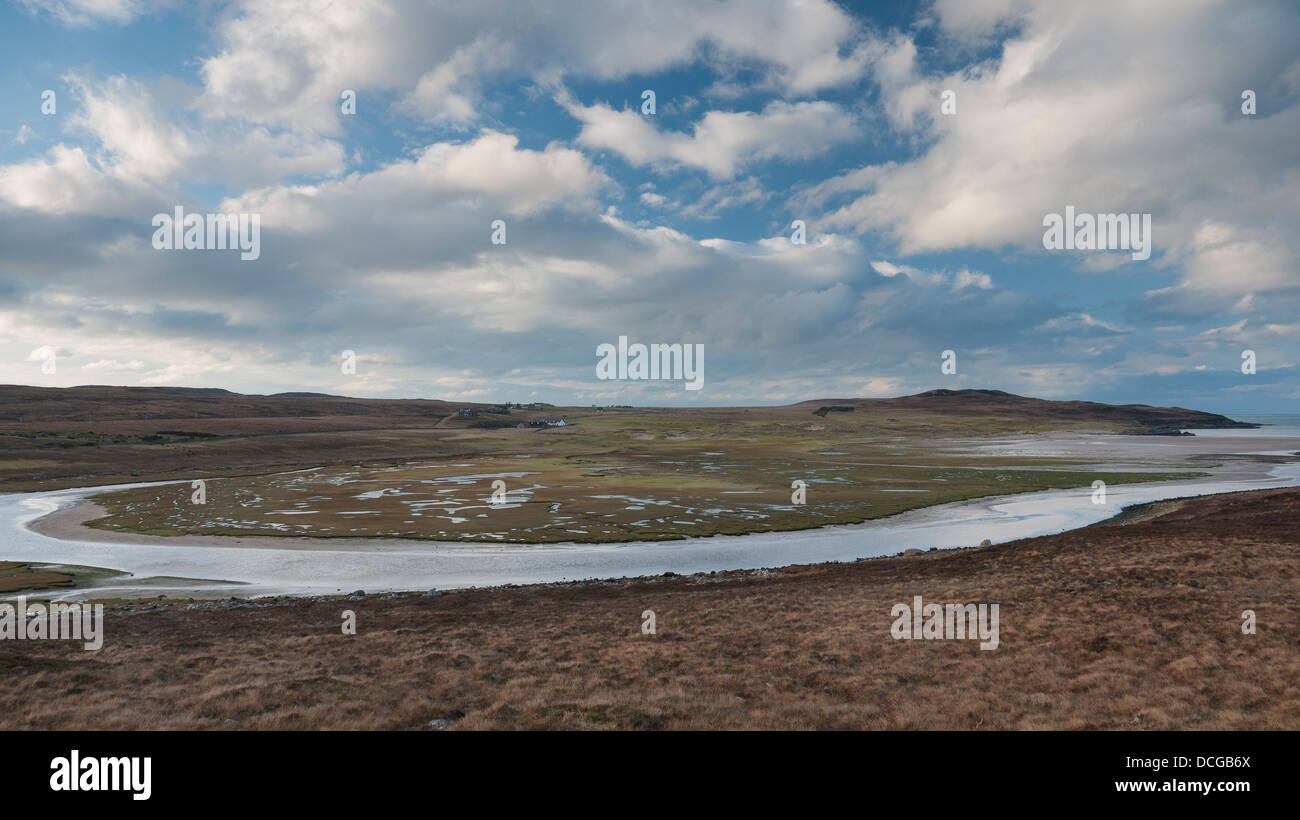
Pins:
x,y
1275,424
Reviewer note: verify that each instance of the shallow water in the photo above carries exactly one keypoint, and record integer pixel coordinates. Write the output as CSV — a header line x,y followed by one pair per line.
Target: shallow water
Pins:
x,y
376,565
1275,424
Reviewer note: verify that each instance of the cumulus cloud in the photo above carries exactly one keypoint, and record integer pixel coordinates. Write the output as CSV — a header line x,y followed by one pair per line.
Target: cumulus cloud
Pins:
x,y
924,230
1075,109
721,142
136,154
287,62
397,265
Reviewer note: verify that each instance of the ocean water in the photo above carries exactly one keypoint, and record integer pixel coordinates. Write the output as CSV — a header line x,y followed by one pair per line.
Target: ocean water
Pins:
x,y
1275,424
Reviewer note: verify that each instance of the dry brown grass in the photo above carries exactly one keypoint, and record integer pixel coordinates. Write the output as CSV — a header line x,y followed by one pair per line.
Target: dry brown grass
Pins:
x,y
1132,627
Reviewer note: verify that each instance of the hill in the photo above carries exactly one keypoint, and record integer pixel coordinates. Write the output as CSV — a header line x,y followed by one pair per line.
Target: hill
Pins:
x,y
1142,418
79,436
105,403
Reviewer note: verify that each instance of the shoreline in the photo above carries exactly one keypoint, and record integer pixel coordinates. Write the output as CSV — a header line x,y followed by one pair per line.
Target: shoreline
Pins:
x,y
1126,516
268,566
70,523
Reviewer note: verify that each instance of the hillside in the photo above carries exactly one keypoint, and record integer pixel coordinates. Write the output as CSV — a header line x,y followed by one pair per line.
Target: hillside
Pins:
x,y
78,436
104,403
1141,417
99,403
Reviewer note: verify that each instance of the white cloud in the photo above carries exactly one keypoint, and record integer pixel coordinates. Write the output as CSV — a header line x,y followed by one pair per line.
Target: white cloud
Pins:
x,y
966,279
718,198
490,171
1233,331
81,13
1085,107
112,365
138,155
178,374
1125,109
449,91
721,142
287,62
1081,321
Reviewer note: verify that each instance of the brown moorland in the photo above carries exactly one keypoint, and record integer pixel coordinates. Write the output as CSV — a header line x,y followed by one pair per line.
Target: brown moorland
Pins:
x,y
1132,625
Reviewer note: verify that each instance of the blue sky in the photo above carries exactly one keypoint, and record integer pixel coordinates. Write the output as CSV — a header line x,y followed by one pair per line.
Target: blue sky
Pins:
x,y
924,228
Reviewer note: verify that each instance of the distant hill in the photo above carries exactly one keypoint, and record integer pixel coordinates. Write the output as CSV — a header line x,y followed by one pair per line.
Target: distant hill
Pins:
x,y
180,391
1142,417
99,403
108,403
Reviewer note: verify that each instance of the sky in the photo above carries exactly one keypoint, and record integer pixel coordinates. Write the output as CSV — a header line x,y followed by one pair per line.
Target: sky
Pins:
x,y
923,211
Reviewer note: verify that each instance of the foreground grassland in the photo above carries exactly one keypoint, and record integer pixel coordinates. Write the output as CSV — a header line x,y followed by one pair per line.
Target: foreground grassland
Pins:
x,y
620,476
1110,627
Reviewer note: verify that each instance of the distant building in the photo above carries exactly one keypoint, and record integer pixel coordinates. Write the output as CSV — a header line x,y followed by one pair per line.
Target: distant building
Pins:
x,y
547,423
